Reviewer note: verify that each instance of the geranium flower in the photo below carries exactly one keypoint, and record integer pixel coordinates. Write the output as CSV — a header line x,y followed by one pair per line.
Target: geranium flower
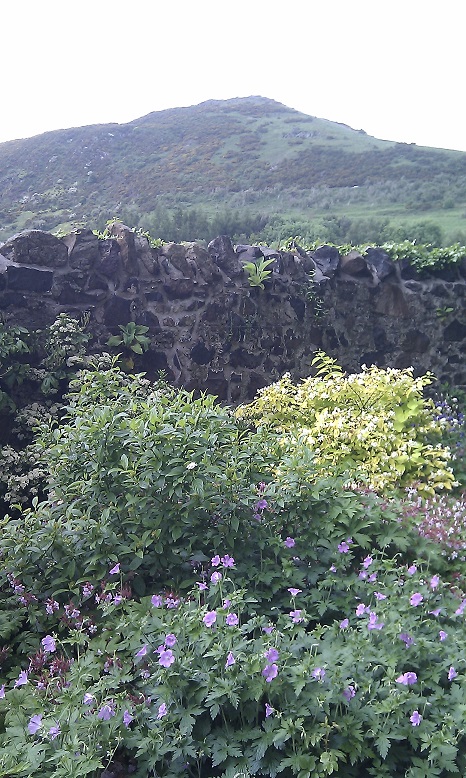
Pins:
x,y
416,599
230,660
270,672
407,679
115,570
290,542
35,723
49,644
210,618
415,718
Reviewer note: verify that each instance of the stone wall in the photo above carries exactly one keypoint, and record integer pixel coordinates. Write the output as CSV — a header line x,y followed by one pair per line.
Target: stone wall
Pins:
x,y
210,330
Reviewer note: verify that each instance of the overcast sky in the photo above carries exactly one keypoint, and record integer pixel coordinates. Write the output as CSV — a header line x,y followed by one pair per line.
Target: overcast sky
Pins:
x,y
395,69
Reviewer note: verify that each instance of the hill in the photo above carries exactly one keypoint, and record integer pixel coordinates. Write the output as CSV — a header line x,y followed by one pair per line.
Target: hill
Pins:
x,y
246,166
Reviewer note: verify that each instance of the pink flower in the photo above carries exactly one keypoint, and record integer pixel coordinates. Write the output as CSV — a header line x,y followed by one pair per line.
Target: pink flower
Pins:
x,y
416,599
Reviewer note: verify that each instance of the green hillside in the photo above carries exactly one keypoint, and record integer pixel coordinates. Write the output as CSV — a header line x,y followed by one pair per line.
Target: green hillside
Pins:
x,y
247,166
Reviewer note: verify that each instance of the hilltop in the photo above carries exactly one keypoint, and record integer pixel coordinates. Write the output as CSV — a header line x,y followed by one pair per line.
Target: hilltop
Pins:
x,y
247,166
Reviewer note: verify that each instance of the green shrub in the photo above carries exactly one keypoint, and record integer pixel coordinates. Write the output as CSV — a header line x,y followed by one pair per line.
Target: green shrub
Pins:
x,y
195,599
373,426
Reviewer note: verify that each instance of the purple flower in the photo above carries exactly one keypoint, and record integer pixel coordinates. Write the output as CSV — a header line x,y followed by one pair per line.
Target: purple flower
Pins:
x,y
268,710
349,692
372,578
442,635
142,651
230,660
416,599
407,679
373,623
296,616
261,505
215,561
22,679
170,640
227,561
88,588
268,630
361,609
156,600
172,602
380,596
2,692
333,569
270,672
318,673
127,718
35,723
460,610
435,612
407,639
115,570
232,620
166,658
88,699
294,592
367,562
216,577
54,731
210,618
411,570
434,581
106,712
226,603
271,655
416,718
49,644
290,542
343,548
162,711
202,586
362,575
452,673
344,624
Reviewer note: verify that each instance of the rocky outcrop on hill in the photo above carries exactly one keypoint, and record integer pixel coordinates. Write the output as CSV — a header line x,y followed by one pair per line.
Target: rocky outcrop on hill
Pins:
x,y
211,330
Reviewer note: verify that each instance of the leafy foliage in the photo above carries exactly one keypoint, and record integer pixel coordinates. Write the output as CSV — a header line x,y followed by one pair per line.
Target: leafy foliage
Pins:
x,y
372,426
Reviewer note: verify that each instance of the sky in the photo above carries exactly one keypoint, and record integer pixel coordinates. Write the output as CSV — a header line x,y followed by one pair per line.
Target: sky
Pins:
x,y
394,69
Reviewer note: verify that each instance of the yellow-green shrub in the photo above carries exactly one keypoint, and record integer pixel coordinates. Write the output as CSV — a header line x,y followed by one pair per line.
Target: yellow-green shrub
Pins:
x,y
375,426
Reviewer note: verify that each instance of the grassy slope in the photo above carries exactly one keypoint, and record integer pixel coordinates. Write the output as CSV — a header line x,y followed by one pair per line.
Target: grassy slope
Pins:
x,y
252,153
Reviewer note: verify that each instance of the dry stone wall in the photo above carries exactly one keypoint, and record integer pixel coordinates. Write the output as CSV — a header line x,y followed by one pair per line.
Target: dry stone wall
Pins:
x,y
210,330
